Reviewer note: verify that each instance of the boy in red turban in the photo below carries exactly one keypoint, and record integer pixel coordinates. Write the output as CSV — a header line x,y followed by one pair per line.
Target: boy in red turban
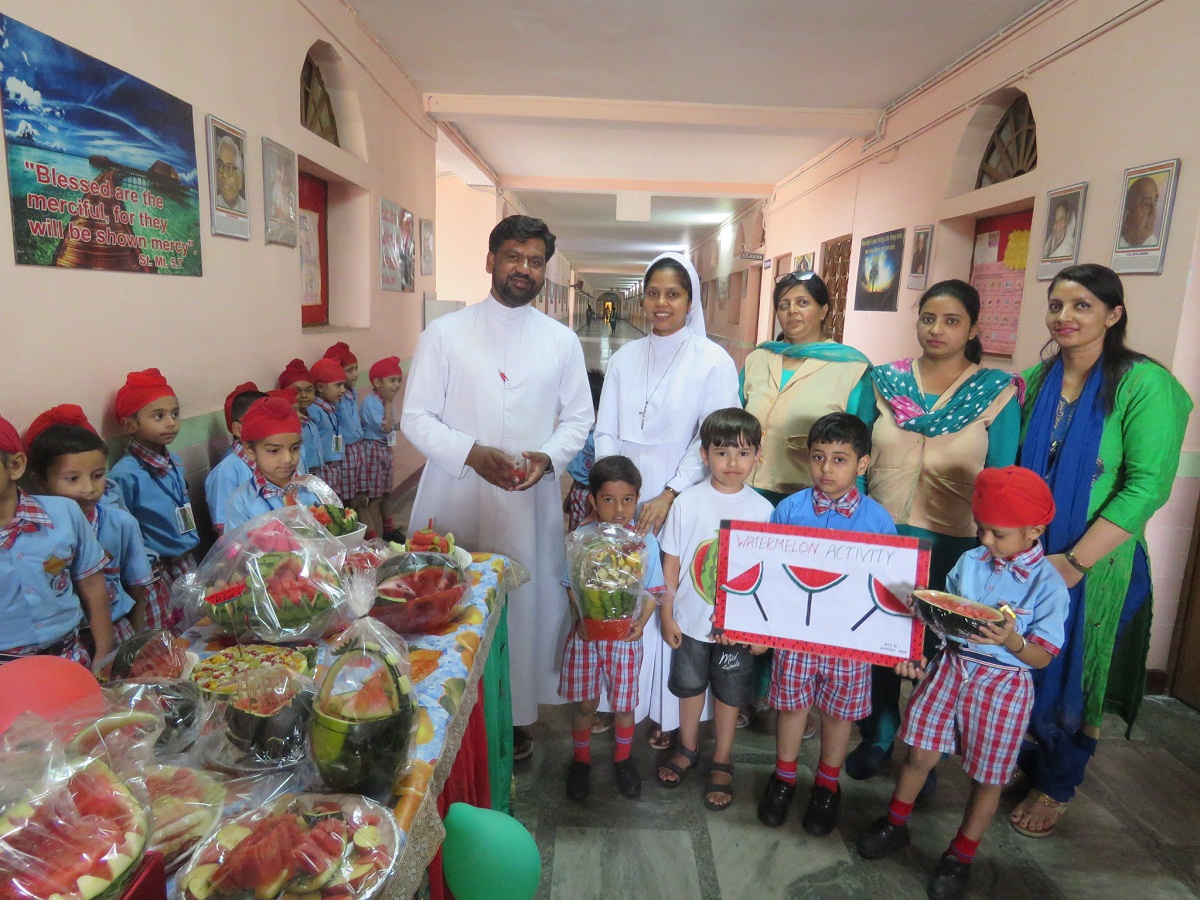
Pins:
x,y
976,696
297,377
329,378
237,466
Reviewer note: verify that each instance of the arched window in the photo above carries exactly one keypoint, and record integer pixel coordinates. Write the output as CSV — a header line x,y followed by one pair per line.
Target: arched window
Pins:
x,y
1012,150
316,109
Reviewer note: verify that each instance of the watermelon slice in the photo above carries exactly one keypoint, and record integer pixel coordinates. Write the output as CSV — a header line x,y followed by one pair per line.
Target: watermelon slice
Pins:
x,y
812,581
884,600
952,616
747,584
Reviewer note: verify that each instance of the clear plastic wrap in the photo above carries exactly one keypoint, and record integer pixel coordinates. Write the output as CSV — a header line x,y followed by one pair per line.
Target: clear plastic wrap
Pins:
x,y
186,804
418,593
606,566
365,712
267,714
303,845
273,579
184,708
148,656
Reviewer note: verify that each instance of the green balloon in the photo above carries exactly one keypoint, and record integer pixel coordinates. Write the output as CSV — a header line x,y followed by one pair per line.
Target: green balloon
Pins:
x,y
488,855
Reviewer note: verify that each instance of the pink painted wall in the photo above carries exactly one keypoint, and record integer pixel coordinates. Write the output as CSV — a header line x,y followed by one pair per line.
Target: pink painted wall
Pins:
x,y
465,218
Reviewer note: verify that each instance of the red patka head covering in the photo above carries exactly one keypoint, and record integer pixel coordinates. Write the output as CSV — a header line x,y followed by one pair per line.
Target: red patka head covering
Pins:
x,y
242,388
288,394
139,389
10,441
389,365
64,414
269,416
342,353
295,371
1012,497
327,371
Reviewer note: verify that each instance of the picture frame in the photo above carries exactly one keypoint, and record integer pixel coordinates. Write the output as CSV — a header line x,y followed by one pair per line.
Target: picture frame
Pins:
x,y
1064,228
427,246
805,261
922,256
1147,201
397,253
227,201
880,258
280,194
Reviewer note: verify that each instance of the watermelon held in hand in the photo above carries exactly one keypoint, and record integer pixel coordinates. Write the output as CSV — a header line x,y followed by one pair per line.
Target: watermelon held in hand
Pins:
x,y
954,617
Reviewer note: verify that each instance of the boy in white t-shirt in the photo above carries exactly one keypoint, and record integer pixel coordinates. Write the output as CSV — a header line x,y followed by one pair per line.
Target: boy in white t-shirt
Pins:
x,y
730,445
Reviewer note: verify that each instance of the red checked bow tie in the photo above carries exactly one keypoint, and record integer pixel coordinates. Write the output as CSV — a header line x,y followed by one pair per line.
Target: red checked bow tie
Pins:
x,y
845,505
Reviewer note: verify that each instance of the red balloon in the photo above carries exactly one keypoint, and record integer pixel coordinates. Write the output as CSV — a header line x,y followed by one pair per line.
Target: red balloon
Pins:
x,y
46,685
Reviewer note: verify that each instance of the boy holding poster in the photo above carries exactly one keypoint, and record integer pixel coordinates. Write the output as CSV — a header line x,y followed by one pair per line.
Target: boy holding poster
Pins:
x,y
839,451
977,698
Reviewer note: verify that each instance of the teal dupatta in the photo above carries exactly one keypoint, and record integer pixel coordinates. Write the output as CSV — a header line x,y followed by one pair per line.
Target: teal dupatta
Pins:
x,y
826,351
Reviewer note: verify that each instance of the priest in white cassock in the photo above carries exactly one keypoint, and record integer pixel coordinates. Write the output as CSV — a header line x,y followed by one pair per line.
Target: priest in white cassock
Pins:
x,y
497,398
657,391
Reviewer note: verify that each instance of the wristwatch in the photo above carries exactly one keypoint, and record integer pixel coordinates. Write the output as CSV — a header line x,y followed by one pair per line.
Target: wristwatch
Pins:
x,y
674,492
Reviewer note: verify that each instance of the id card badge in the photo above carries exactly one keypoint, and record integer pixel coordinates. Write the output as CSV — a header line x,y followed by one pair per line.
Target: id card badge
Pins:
x,y
338,443
391,439
185,521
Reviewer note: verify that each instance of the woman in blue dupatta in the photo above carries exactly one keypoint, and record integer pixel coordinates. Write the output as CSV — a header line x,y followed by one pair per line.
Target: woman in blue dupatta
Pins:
x,y
789,383
1104,425
938,420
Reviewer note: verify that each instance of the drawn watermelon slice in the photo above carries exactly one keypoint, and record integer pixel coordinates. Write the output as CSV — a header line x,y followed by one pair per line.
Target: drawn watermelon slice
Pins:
x,y
813,581
747,585
704,570
884,600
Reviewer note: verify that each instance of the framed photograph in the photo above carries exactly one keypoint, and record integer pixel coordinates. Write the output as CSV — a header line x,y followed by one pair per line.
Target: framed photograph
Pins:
x,y
397,252
279,193
879,260
227,179
805,261
1064,226
1146,204
918,266
427,246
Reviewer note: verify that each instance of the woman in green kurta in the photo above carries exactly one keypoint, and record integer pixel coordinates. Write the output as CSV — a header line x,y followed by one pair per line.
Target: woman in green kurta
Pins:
x,y
1104,425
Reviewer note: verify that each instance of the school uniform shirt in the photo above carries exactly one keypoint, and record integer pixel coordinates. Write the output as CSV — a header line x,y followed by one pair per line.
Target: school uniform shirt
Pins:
x,y
580,467
1028,583
153,487
258,496
46,547
311,458
125,559
224,478
370,417
694,519
329,429
347,416
812,509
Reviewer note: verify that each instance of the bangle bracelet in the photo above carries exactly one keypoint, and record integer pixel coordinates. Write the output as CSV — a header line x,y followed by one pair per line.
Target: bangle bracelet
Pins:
x,y
1021,649
1076,564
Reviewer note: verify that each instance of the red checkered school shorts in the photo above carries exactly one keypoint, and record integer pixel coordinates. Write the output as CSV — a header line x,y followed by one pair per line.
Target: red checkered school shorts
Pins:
x,y
331,474
840,688
577,505
71,647
971,708
376,473
352,471
590,666
159,612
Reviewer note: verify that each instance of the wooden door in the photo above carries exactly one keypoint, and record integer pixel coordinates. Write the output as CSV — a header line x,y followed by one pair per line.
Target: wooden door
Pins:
x,y
835,272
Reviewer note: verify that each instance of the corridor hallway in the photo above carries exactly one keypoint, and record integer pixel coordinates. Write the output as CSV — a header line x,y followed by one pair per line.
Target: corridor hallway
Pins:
x,y
600,341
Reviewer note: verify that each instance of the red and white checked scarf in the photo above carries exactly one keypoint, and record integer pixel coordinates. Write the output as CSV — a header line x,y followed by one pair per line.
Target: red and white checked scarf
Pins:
x,y
161,465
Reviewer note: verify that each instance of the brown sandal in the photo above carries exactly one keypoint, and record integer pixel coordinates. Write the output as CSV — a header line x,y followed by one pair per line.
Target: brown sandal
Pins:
x,y
1056,806
720,790
680,772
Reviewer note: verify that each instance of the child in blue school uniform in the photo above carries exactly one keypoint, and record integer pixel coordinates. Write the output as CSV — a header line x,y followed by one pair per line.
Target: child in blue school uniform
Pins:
x,y
297,377
353,493
271,432
51,569
67,458
329,380
839,452
379,437
237,466
153,488
976,698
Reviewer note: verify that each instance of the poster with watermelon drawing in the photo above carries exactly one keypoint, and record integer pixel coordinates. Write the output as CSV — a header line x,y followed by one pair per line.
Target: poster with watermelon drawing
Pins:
x,y
839,593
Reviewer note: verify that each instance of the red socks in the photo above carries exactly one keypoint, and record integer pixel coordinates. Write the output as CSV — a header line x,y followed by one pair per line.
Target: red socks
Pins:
x,y
899,812
963,847
827,777
785,771
389,525
624,746
583,745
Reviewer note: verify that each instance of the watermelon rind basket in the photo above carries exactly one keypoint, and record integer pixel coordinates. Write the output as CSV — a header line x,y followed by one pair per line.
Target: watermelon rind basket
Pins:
x,y
606,564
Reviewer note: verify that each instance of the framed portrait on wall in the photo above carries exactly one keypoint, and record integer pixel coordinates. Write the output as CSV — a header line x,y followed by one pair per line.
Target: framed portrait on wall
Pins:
x,y
427,246
397,253
1064,227
1146,204
227,179
918,266
805,261
279,193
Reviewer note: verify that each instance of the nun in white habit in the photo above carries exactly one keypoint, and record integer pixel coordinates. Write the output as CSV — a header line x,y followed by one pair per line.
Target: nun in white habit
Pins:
x,y
657,391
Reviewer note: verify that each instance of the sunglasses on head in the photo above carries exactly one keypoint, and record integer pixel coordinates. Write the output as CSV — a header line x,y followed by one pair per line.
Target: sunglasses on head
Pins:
x,y
795,277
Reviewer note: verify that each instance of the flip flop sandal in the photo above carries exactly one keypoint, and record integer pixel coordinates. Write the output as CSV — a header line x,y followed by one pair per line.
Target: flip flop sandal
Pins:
x,y
1057,806
721,790
692,756
602,722
660,740
744,718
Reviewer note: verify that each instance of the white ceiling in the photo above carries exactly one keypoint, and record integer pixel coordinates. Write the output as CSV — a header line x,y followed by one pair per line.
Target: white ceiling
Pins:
x,y
703,104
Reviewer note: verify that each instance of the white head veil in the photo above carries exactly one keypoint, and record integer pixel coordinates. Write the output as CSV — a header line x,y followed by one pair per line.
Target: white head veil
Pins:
x,y
695,316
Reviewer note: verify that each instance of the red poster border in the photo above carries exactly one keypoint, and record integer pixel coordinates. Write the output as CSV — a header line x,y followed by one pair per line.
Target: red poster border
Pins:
x,y
921,545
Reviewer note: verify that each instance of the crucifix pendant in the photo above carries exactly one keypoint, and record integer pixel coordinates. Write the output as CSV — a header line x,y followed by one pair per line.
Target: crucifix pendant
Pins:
x,y
644,416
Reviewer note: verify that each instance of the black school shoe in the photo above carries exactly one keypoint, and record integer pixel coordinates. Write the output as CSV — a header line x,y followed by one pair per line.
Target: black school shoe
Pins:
x,y
822,813
949,881
775,802
882,839
629,782
578,780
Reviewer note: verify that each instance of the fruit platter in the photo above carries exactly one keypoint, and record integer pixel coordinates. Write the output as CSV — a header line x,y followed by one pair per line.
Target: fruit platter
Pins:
x,y
337,520
149,656
218,675
81,838
606,566
951,616
418,593
303,845
186,804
